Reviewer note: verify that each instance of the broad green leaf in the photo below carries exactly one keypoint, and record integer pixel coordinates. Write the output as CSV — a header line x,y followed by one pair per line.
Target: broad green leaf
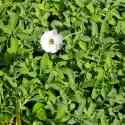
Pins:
x,y
100,74
13,21
91,8
45,63
83,45
13,46
39,111
104,27
60,113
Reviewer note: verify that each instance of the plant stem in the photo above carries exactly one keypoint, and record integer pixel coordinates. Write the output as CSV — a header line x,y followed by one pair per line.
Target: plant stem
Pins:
x,y
18,119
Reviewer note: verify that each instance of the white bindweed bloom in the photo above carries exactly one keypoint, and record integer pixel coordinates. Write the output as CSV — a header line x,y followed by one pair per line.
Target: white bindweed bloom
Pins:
x,y
51,41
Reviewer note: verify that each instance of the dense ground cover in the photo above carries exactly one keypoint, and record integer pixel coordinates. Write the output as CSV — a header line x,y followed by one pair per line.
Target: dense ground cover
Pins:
x,y
82,84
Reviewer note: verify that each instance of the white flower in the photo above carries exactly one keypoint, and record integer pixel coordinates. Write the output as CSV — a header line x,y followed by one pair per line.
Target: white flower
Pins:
x,y
51,41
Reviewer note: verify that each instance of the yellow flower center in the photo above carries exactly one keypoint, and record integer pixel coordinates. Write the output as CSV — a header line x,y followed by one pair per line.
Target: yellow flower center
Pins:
x,y
51,41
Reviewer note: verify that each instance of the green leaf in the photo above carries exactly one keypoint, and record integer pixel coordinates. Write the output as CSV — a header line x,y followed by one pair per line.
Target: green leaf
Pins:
x,y
60,113
37,123
45,63
120,27
100,75
91,8
104,27
71,77
11,81
94,28
116,122
39,111
23,68
108,60
13,20
90,110
83,45
13,46
4,118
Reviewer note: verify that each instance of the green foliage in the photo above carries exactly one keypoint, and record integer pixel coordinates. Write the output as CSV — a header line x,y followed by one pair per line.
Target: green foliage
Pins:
x,y
82,84
38,109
